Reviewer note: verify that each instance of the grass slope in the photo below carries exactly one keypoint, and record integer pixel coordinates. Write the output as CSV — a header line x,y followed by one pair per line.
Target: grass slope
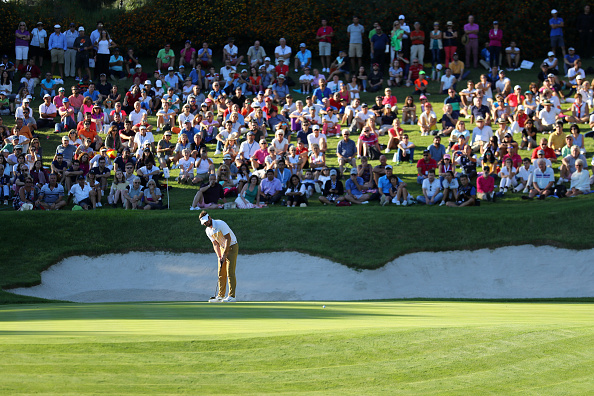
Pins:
x,y
258,348
365,237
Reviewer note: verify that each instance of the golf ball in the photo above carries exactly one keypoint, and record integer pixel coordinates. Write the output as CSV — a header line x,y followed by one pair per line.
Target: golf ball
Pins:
x,y
323,306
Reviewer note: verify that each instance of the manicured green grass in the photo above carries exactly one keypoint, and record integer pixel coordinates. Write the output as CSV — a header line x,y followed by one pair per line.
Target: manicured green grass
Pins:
x,y
408,347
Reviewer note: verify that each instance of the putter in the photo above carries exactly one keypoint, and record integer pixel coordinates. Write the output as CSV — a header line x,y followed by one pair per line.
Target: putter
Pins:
x,y
217,286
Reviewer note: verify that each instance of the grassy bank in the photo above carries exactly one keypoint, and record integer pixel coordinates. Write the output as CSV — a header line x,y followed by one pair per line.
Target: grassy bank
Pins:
x,y
360,237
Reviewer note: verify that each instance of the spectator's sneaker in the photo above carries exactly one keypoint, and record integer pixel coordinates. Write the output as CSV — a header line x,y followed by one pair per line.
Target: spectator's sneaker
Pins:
x,y
397,203
442,203
526,190
383,200
296,71
517,69
387,150
215,300
229,299
242,63
98,204
364,202
217,152
404,203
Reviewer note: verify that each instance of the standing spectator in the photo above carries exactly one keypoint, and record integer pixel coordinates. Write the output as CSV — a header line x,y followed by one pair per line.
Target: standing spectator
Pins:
x,y
585,25
324,36
396,36
165,58
103,45
70,56
82,45
21,44
435,43
471,30
57,46
355,33
449,42
557,26
417,48
495,39
38,43
379,42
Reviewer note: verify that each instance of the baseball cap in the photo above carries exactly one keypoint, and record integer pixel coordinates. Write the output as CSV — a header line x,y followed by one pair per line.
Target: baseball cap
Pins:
x,y
18,146
47,96
571,49
447,156
439,67
65,100
333,172
227,157
422,72
266,59
401,17
388,166
170,68
354,171
142,127
181,67
520,107
302,45
550,75
148,82
81,29
315,127
26,100
56,26
364,105
517,87
540,152
61,89
551,53
553,11
480,118
138,66
546,102
281,75
80,177
168,133
251,133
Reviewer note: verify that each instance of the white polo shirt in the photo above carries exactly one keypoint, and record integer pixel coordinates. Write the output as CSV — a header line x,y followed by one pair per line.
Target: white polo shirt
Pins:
x,y
217,233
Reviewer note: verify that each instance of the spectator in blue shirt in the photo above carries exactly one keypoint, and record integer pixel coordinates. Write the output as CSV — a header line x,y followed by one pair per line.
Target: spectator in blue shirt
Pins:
x,y
378,49
92,93
346,151
322,93
57,47
302,58
47,86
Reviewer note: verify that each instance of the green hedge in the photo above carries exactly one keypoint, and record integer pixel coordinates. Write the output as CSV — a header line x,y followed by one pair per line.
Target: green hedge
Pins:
x,y
146,28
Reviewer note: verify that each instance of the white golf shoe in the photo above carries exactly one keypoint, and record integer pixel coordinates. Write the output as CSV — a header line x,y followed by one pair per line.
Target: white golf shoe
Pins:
x,y
229,299
216,299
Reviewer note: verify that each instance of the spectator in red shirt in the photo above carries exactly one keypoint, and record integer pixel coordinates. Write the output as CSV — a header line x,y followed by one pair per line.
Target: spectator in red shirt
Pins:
x,y
413,71
324,36
424,166
281,68
417,47
548,152
485,185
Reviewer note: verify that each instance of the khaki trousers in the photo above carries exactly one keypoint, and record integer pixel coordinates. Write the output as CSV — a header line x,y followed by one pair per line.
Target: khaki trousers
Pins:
x,y
227,270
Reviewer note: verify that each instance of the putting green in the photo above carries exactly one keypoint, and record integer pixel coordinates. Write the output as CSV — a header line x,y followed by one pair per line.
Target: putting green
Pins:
x,y
382,347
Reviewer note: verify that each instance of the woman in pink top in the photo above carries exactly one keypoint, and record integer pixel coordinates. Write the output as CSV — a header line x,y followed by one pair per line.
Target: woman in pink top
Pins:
x,y
495,38
485,185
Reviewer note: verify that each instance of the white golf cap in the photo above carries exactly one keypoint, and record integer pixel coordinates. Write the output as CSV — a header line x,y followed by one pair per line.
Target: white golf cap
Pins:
x,y
401,17
81,29
148,82
138,66
553,11
551,53
267,58
57,26
204,219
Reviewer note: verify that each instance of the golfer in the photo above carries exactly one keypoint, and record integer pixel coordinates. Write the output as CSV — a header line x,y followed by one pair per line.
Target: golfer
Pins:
x,y
225,246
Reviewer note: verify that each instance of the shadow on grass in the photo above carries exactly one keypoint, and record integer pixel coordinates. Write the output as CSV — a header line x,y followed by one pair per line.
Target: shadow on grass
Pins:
x,y
195,311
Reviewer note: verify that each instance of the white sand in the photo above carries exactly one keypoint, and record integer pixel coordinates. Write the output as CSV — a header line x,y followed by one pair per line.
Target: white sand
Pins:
x,y
510,272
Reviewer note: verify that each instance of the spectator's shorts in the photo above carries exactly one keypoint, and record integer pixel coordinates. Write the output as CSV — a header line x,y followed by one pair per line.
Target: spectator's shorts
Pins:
x,y
557,41
325,49
356,50
57,55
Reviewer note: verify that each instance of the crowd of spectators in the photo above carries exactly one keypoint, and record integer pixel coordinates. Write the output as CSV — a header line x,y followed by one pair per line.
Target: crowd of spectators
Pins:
x,y
274,147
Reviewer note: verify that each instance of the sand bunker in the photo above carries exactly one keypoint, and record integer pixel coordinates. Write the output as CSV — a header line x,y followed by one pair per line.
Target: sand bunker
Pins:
x,y
510,272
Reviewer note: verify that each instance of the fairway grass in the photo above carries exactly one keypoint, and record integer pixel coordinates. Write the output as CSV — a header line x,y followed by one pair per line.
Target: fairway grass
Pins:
x,y
387,347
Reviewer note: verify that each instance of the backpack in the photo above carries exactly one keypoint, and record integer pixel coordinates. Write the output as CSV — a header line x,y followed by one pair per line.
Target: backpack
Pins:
x,y
561,191
373,153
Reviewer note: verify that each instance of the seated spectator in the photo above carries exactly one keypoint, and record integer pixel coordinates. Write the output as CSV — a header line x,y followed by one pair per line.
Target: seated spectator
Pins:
x,y
406,151
448,121
427,120
134,195
116,192
51,195
524,176
354,188
450,187
84,195
152,196
421,84
425,165
333,191
580,180
368,144
580,112
271,188
431,189
544,180
529,135
466,194
296,192
485,185
398,193
548,152
547,117
568,164
209,195
513,57
507,175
